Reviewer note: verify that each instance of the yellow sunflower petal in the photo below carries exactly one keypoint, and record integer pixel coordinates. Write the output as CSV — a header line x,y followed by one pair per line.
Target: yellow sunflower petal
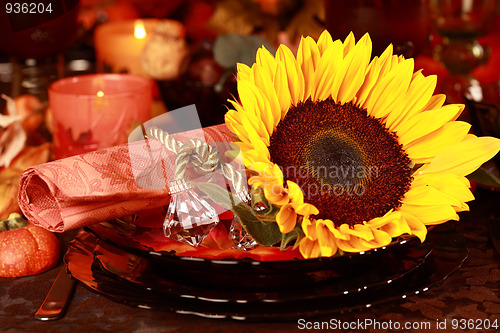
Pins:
x,y
241,146
294,73
463,207
327,241
379,222
426,122
281,88
234,124
256,181
387,60
351,75
276,194
335,232
263,180
436,102
423,149
349,43
295,192
432,214
260,154
268,171
358,230
286,218
464,157
309,228
243,71
428,196
263,82
376,70
397,228
305,209
371,78
255,155
391,223
262,168
454,186
242,124
417,227
326,71
354,244
418,95
266,61
388,91
308,58
380,238
259,142
257,105
309,248
324,42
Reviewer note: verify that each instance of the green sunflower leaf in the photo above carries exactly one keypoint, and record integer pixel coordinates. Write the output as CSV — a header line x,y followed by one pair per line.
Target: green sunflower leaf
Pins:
x,y
293,236
485,175
266,234
267,212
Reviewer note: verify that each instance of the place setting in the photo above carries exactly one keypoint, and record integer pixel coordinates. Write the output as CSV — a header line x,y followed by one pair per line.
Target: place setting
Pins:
x,y
263,164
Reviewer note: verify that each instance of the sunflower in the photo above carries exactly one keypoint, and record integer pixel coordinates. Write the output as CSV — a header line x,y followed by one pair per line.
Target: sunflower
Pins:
x,y
354,151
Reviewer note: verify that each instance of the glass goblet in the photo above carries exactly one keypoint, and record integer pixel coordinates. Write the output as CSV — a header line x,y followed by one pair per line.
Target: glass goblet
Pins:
x,y
461,23
405,24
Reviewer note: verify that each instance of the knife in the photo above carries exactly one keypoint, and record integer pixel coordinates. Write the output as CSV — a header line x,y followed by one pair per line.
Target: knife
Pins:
x,y
57,299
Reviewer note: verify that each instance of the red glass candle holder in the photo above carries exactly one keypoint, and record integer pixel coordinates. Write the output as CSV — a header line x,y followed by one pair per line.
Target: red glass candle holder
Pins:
x,y
96,111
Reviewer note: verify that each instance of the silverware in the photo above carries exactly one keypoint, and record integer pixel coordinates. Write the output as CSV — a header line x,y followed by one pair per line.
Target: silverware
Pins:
x,y
57,299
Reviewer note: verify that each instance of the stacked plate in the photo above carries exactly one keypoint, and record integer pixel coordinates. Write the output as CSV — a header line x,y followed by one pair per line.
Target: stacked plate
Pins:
x,y
108,261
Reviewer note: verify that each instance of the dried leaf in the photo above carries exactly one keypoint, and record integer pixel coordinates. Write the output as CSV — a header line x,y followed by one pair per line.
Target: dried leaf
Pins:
x,y
9,177
6,120
12,114
8,199
31,156
12,134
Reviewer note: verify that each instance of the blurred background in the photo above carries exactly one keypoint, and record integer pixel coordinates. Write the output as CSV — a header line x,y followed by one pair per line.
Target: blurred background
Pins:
x,y
189,48
186,52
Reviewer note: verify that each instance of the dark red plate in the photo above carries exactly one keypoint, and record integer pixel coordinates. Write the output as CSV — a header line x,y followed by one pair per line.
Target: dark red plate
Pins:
x,y
318,287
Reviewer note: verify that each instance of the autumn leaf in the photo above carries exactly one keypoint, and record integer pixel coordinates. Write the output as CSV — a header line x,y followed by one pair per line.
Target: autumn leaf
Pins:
x,y
9,177
32,155
12,134
8,199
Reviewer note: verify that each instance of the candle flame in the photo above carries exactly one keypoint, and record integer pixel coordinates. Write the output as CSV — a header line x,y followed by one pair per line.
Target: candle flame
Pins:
x,y
100,93
139,31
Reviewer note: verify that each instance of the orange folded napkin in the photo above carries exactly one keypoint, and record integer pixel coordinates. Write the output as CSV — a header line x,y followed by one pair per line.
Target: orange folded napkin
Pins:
x,y
98,186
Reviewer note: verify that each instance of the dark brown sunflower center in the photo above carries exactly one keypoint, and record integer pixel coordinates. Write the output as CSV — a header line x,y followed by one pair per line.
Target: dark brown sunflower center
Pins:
x,y
348,164
334,160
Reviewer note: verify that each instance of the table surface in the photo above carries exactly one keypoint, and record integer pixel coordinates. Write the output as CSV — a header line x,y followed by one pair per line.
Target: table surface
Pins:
x,y
471,293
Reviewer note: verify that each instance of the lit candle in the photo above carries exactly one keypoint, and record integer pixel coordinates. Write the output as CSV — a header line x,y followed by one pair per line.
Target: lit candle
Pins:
x,y
119,45
96,111
139,30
